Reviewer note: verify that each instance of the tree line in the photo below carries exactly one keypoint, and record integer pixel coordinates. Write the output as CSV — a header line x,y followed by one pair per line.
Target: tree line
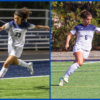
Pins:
x,y
65,15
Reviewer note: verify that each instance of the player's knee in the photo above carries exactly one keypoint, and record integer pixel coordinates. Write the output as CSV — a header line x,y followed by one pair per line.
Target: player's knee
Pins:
x,y
6,65
80,63
15,63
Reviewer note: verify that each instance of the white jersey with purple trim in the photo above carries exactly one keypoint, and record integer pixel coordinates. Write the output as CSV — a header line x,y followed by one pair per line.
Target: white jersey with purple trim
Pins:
x,y
84,35
16,33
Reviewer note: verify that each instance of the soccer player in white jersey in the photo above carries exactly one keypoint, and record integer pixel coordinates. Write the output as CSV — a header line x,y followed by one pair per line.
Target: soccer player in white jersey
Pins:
x,y
16,39
83,43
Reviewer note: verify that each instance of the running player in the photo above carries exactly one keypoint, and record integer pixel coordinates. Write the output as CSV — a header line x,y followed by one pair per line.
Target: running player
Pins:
x,y
83,43
16,39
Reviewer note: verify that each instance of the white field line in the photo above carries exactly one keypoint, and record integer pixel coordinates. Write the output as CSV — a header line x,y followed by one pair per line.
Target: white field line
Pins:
x,y
68,64
25,77
72,63
60,64
92,62
31,60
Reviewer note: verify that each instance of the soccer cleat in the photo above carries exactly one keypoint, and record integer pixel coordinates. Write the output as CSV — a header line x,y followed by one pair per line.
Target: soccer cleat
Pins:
x,y
61,82
30,68
65,79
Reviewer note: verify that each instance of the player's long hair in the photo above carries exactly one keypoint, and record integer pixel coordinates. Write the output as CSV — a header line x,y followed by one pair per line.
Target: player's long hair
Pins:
x,y
85,14
24,13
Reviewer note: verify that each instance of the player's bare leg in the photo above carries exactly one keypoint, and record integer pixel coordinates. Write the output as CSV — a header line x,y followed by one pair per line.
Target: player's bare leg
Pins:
x,y
16,61
12,59
79,58
8,61
24,64
77,63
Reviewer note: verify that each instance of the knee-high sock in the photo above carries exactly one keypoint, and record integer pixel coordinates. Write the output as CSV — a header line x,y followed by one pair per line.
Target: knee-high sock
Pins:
x,y
3,72
23,63
72,68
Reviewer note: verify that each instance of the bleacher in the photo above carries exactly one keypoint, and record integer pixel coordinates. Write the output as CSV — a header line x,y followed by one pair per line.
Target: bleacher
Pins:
x,y
34,40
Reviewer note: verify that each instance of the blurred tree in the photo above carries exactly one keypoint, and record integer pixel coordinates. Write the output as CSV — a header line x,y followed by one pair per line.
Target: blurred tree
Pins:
x,y
65,16
30,5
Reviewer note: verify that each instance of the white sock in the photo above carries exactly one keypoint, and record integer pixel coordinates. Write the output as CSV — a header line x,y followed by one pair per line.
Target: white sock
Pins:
x,y
23,63
3,72
72,68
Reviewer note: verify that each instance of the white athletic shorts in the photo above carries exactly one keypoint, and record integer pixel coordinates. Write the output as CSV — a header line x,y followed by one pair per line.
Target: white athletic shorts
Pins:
x,y
85,52
15,51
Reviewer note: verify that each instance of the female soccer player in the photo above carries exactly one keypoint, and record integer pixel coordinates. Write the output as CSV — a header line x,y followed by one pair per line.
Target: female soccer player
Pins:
x,y
83,43
16,39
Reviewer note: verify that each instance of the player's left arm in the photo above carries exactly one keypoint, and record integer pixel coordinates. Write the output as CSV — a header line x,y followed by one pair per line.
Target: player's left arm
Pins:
x,y
97,30
41,27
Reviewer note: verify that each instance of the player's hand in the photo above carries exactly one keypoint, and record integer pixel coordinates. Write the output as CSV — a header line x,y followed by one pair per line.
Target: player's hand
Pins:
x,y
66,46
47,28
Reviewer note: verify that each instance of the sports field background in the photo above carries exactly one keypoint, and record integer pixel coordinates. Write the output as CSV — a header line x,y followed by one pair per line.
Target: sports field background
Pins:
x,y
26,88
83,83
19,83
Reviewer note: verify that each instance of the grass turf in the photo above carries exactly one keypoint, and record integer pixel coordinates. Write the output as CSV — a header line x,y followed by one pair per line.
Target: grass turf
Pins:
x,y
34,87
83,83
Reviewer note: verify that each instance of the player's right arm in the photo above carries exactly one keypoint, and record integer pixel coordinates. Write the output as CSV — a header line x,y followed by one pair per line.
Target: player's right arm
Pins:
x,y
67,40
2,27
72,32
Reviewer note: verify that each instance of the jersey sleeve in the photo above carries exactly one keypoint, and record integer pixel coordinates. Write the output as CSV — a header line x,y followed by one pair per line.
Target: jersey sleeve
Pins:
x,y
30,26
7,26
97,29
74,30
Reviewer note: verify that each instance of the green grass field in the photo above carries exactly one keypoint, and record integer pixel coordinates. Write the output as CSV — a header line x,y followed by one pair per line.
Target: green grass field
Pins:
x,y
83,83
32,87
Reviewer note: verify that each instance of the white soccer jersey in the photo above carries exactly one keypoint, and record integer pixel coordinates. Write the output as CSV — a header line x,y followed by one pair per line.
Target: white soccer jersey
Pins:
x,y
16,36
84,35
